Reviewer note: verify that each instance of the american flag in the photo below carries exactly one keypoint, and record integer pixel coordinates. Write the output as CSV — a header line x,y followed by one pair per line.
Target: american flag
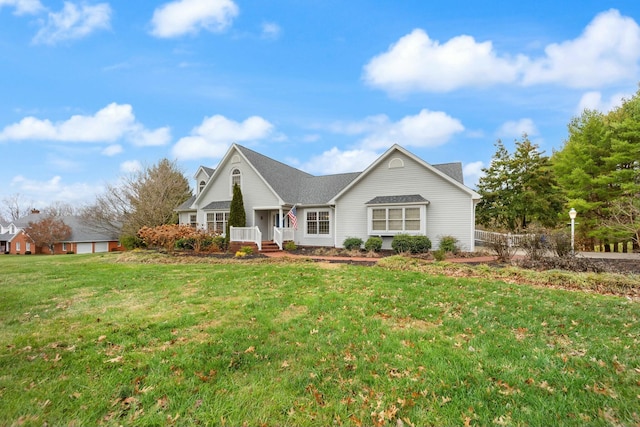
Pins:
x,y
293,218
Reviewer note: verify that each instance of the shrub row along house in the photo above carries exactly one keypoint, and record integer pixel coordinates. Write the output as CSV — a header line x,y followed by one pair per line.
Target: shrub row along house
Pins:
x,y
83,239
398,193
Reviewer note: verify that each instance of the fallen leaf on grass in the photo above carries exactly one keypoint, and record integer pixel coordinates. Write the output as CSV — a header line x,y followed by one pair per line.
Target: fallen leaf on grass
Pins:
x,y
602,390
115,360
163,402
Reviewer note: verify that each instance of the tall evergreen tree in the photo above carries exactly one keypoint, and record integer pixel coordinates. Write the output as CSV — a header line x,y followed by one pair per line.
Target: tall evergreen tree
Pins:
x,y
518,189
599,170
580,166
237,214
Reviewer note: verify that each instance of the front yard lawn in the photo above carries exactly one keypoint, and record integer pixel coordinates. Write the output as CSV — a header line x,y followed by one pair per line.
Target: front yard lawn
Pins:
x,y
122,340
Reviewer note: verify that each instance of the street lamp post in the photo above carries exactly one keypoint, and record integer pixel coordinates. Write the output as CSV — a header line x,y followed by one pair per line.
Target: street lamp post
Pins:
x,y
572,215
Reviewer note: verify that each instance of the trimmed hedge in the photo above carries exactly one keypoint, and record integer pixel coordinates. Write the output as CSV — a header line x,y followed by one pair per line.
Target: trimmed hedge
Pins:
x,y
373,244
351,243
403,243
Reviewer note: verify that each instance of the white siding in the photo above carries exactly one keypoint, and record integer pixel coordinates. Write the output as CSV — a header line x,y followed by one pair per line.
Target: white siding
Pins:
x,y
255,193
449,212
301,236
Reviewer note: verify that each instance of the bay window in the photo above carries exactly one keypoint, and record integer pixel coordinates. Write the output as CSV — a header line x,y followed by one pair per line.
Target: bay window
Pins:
x,y
391,220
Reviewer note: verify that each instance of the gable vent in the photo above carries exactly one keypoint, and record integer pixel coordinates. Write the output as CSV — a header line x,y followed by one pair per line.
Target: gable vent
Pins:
x,y
235,159
396,163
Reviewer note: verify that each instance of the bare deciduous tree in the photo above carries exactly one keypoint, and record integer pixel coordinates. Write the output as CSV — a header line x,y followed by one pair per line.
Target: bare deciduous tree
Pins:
x,y
16,206
147,198
48,231
59,209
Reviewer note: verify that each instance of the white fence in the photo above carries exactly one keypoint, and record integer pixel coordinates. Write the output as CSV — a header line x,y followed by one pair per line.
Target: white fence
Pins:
x,y
491,236
281,235
246,234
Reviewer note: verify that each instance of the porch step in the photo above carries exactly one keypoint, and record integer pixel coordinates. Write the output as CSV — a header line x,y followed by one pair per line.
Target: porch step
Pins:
x,y
269,246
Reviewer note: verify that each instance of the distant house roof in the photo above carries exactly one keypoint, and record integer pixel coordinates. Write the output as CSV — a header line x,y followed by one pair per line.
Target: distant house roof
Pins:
x,y
388,200
80,231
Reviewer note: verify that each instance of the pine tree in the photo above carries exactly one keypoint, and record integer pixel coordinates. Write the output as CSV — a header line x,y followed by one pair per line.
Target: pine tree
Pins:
x,y
518,189
237,214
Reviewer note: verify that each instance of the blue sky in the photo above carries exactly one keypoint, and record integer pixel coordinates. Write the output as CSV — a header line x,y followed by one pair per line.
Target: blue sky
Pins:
x,y
91,91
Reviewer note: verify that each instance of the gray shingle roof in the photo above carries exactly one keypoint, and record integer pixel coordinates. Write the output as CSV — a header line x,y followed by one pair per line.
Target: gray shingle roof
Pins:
x,y
284,179
80,232
320,189
411,198
454,170
218,206
296,186
186,206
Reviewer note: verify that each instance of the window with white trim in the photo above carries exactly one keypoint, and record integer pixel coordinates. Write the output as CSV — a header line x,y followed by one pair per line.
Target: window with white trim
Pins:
x,y
64,247
17,246
28,246
193,220
236,178
201,186
217,222
317,223
391,220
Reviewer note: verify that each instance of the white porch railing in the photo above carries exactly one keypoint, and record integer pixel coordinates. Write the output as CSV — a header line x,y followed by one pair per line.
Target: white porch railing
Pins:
x,y
246,234
281,235
491,236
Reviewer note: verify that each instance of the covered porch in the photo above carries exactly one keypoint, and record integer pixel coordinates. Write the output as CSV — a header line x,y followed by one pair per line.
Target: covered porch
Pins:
x,y
272,225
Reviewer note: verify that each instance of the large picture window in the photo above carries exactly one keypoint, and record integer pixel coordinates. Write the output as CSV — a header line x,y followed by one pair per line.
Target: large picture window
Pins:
x,y
390,220
317,223
217,222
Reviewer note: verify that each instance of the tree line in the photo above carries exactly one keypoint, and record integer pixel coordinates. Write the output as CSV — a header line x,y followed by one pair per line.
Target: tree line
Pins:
x,y
596,172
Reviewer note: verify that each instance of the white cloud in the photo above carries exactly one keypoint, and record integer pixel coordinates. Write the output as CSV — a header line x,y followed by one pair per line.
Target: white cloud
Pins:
x,y
112,150
45,192
23,7
607,51
425,129
74,22
472,173
515,129
214,136
182,17
339,161
131,166
271,30
419,63
594,101
112,123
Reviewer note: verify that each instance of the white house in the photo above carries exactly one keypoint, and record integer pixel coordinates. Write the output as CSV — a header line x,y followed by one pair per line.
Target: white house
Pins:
x,y
398,193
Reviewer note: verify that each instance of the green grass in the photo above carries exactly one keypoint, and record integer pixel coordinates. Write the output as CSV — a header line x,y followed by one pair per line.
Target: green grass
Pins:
x,y
139,339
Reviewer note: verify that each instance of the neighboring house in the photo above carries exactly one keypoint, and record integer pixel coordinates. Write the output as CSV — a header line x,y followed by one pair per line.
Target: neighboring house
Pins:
x,y
398,193
83,239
